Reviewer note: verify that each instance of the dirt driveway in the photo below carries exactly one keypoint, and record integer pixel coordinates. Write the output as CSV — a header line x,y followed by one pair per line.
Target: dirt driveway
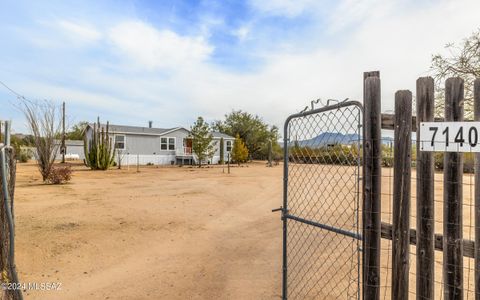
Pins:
x,y
163,233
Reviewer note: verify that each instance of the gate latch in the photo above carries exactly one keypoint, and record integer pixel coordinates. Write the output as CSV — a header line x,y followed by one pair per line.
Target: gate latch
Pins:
x,y
280,209
277,209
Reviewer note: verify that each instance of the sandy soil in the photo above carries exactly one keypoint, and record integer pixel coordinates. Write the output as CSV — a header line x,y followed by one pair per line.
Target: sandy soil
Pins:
x,y
162,233
189,233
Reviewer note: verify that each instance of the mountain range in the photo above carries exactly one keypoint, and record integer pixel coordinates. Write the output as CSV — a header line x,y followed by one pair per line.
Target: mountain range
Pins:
x,y
332,138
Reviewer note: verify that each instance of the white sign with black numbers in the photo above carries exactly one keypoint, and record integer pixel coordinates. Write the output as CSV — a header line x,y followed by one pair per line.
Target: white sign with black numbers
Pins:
x,y
450,136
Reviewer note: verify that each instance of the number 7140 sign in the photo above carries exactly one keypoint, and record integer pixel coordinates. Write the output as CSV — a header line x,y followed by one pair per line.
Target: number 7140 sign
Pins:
x,y
450,136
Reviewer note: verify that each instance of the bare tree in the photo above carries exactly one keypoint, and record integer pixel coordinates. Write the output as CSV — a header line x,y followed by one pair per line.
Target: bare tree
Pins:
x,y
463,61
44,122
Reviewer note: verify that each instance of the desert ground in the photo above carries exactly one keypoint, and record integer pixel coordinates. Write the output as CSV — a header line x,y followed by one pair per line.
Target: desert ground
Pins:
x,y
190,233
161,233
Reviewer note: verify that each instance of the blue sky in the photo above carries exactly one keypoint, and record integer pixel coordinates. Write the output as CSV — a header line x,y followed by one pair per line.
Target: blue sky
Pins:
x,y
171,61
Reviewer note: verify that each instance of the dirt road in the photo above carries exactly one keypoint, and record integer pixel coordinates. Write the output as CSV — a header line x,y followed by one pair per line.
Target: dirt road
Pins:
x,y
163,233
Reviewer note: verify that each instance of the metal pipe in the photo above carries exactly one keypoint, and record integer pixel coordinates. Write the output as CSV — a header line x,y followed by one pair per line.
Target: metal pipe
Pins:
x,y
325,227
285,208
3,174
7,133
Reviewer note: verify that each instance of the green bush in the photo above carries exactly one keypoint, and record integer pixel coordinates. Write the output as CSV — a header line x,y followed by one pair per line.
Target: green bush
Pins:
x,y
336,155
468,162
239,151
23,156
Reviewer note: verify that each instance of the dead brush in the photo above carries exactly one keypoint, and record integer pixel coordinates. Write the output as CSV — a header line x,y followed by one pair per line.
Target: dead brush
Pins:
x,y
60,175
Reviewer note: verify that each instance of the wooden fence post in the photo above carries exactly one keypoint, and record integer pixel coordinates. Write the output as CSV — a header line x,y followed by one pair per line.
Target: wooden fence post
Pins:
x,y
401,194
476,96
371,187
452,198
425,195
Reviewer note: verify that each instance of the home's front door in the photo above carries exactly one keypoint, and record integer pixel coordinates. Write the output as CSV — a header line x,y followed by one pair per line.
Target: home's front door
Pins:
x,y
187,146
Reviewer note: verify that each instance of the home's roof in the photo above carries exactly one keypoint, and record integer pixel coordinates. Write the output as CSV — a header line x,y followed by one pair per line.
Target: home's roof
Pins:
x,y
152,131
136,129
221,135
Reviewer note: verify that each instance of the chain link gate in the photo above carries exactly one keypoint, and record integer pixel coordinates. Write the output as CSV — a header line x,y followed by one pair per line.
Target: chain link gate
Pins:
x,y
321,226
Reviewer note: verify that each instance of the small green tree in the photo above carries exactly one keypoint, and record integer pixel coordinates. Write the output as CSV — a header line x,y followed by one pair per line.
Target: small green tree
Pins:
x,y
255,133
202,140
239,151
222,155
99,154
77,132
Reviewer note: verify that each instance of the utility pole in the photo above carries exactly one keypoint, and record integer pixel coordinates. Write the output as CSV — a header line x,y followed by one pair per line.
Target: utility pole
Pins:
x,y
63,148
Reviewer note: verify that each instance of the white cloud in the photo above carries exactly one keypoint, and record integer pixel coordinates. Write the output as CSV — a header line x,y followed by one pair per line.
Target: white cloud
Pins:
x,y
287,8
242,32
395,38
80,31
153,48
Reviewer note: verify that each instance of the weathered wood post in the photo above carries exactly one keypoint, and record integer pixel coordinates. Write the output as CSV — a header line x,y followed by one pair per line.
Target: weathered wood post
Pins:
x,y
425,195
372,186
452,198
401,194
476,96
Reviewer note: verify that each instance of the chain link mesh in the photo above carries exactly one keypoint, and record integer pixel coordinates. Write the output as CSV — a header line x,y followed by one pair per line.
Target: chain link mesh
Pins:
x,y
323,188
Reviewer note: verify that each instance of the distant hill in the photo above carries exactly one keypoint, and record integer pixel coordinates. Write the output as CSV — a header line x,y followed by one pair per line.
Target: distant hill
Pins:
x,y
332,138
329,138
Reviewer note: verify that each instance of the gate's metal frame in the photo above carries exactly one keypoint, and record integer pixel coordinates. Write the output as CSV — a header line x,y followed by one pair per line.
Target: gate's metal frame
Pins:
x,y
284,209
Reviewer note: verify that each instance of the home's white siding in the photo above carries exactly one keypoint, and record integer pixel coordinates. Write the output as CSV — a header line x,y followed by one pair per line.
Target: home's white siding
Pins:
x,y
147,150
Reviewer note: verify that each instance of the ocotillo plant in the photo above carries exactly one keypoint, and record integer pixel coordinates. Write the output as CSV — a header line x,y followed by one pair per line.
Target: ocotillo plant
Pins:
x,y
99,154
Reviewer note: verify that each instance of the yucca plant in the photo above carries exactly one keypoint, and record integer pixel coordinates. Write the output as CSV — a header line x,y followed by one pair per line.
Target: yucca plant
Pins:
x,y
99,154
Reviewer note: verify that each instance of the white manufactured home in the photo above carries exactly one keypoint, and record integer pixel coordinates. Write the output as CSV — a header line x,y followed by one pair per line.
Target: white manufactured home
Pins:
x,y
158,146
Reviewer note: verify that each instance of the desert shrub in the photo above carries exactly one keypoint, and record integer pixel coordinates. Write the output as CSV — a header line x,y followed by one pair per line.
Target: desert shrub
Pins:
x,y
60,174
23,156
468,162
239,151
336,155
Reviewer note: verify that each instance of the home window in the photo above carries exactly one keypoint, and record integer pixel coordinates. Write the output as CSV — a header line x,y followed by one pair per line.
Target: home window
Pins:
x,y
163,143
229,146
167,143
120,142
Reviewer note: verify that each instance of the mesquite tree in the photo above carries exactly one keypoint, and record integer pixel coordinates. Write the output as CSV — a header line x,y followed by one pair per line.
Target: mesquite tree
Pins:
x,y
99,154
202,141
462,61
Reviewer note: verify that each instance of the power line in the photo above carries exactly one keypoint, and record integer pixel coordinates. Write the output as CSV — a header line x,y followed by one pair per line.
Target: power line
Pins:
x,y
12,91
20,96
